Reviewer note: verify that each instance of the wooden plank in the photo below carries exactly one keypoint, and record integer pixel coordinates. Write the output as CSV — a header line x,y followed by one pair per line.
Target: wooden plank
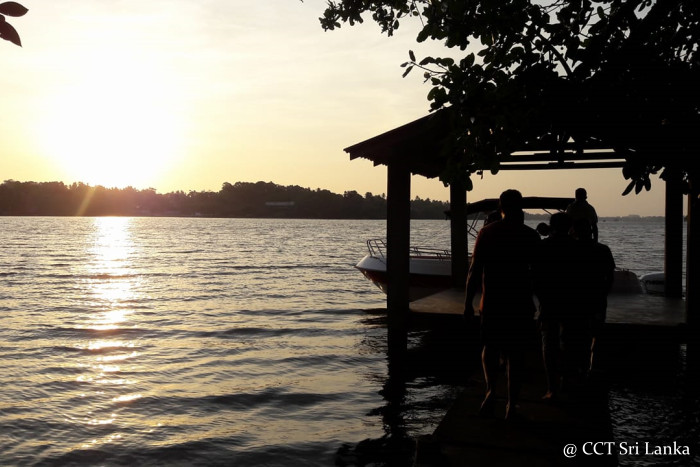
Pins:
x,y
622,308
645,309
447,302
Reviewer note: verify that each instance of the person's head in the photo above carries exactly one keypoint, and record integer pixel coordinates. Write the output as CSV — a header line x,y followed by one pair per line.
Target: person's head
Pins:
x,y
510,203
560,223
581,193
582,229
543,229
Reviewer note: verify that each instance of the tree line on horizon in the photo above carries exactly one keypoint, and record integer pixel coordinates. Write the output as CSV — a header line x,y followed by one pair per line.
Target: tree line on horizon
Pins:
x,y
241,199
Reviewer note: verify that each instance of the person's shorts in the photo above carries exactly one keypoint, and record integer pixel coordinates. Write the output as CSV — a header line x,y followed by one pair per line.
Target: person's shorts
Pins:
x,y
507,334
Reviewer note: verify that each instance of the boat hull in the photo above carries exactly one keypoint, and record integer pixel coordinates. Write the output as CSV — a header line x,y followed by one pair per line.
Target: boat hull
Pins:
x,y
426,275
429,275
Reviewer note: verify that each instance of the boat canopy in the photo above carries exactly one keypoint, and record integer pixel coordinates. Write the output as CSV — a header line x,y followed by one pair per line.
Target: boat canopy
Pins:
x,y
529,202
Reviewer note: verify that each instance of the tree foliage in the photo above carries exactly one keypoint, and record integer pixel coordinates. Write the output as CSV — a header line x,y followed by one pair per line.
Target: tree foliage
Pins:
x,y
518,71
7,31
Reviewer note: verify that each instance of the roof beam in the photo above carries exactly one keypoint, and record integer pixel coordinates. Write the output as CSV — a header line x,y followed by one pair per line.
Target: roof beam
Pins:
x,y
562,165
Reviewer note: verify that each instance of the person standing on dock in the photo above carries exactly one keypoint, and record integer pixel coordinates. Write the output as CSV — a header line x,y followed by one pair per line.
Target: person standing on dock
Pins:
x,y
501,270
580,208
555,287
596,269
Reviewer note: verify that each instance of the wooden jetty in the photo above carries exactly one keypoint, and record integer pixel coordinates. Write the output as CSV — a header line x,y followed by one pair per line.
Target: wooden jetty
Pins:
x,y
423,147
539,438
646,309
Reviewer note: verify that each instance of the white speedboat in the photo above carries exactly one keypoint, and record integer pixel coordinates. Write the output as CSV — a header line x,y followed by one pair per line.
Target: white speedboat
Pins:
x,y
430,269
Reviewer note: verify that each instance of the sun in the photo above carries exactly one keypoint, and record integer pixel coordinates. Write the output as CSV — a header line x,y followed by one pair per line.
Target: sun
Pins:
x,y
118,126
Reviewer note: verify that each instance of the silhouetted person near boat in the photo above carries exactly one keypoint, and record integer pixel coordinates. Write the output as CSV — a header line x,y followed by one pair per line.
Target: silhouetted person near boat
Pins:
x,y
501,269
555,287
580,208
595,278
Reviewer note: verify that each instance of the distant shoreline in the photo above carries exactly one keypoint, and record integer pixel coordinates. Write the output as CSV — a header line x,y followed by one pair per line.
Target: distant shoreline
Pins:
x,y
628,218
262,200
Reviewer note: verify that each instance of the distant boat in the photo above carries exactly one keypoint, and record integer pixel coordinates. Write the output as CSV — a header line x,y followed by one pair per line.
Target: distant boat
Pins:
x,y
430,269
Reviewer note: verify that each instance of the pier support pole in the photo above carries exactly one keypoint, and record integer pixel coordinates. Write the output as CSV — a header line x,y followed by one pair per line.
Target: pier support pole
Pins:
x,y
458,234
692,277
398,245
673,238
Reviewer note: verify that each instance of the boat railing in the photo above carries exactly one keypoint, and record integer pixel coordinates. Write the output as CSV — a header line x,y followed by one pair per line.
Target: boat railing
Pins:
x,y
377,248
475,224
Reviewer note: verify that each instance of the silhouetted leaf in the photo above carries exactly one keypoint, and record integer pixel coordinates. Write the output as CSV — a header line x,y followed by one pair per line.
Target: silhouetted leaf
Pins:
x,y
12,9
411,55
9,33
408,70
629,188
627,172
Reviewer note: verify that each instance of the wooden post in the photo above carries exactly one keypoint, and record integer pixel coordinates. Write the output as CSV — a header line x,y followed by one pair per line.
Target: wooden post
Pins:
x,y
673,238
692,281
458,234
692,266
398,245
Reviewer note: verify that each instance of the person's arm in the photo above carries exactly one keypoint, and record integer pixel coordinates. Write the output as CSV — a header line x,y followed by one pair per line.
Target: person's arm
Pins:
x,y
594,223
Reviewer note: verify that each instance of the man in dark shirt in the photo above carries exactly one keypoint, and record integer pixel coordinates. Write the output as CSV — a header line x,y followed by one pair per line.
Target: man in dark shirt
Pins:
x,y
596,270
582,209
556,286
501,269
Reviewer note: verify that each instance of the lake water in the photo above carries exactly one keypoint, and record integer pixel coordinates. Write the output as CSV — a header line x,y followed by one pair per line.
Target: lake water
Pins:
x,y
188,341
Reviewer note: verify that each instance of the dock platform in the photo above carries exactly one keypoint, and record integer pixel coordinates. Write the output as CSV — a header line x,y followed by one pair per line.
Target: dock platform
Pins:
x,y
463,438
633,311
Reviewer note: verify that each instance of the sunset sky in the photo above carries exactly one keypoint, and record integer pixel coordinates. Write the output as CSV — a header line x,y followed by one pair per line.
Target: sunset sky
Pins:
x,y
189,94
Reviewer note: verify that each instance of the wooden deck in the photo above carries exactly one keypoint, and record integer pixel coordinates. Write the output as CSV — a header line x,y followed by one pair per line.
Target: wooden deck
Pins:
x,y
635,309
463,438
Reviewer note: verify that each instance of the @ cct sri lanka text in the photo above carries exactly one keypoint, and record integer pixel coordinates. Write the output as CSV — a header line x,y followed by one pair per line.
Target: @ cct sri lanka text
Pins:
x,y
624,448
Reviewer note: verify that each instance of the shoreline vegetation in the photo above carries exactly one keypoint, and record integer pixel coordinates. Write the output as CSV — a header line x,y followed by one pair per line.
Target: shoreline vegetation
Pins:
x,y
241,199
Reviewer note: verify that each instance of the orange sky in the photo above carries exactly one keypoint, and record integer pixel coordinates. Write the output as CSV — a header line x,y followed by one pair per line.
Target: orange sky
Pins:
x,y
189,94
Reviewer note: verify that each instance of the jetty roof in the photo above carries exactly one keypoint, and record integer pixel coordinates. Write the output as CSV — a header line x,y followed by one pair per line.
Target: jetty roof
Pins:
x,y
423,145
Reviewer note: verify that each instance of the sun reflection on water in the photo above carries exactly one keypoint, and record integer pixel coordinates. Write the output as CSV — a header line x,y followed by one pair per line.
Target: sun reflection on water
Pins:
x,y
110,282
110,287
